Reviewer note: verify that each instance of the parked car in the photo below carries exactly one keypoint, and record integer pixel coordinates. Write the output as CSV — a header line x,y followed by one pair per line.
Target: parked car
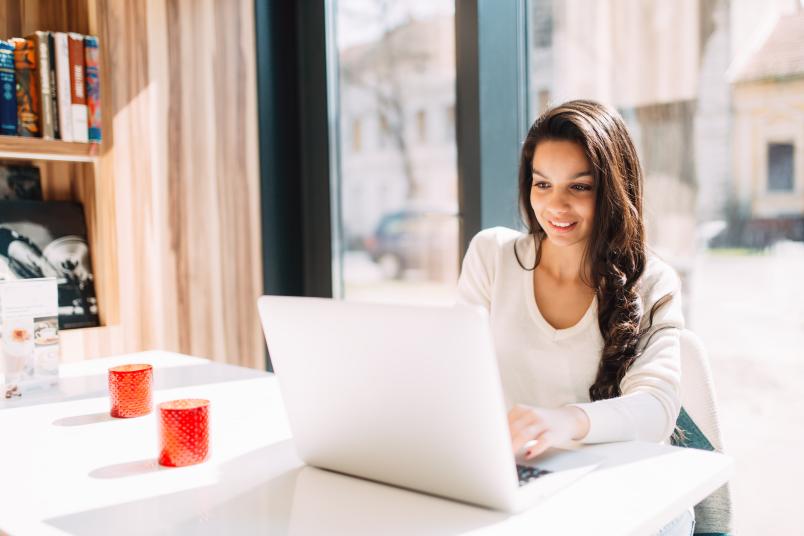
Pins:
x,y
415,242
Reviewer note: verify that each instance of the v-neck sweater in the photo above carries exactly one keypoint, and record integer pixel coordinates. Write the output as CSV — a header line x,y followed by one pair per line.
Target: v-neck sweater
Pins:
x,y
546,367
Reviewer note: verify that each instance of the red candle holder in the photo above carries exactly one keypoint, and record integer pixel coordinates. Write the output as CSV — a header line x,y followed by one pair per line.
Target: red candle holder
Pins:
x,y
130,390
183,432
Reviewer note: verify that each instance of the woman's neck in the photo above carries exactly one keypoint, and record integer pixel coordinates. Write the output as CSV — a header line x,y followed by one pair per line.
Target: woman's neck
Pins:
x,y
563,264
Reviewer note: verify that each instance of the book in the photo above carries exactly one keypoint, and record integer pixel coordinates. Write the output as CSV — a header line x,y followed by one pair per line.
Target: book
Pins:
x,y
51,46
92,74
8,90
63,88
28,119
75,47
20,182
41,42
49,239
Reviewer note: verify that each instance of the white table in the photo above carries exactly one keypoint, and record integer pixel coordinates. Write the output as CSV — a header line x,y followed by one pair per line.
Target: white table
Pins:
x,y
67,467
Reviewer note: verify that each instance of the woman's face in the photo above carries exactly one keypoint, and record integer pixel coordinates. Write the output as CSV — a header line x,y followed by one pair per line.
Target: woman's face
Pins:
x,y
563,192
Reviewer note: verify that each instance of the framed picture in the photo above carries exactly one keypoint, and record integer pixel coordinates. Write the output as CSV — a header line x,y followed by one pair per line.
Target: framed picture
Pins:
x,y
49,239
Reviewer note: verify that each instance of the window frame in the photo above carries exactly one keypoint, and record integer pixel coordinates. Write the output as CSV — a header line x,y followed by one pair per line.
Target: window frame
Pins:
x,y
491,111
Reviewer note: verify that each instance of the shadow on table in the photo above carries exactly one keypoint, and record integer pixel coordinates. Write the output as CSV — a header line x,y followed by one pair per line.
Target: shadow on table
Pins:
x,y
120,470
83,387
80,420
270,491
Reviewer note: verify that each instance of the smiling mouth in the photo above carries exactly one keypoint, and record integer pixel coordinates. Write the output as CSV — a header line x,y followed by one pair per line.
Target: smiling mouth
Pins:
x,y
562,227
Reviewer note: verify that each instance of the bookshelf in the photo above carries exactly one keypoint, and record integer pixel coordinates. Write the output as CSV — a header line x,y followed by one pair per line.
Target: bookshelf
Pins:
x,y
75,171
172,194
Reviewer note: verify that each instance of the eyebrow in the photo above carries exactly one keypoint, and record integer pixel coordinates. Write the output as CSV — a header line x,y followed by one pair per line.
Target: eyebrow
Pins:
x,y
576,176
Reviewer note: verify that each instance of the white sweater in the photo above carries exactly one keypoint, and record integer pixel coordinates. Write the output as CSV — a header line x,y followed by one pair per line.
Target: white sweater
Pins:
x,y
547,367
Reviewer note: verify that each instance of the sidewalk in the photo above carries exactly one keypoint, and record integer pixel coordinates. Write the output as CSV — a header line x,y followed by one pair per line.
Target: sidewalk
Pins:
x,y
749,311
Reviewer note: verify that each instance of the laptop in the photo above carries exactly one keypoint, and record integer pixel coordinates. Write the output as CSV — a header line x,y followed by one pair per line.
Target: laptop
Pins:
x,y
408,396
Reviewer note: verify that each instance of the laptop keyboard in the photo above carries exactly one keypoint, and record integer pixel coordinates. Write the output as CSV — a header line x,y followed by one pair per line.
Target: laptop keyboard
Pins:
x,y
526,473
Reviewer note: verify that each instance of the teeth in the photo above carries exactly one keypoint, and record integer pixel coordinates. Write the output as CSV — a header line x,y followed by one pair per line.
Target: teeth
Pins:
x,y
560,224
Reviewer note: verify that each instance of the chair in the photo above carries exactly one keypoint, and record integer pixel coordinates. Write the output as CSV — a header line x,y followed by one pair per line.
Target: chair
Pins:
x,y
699,421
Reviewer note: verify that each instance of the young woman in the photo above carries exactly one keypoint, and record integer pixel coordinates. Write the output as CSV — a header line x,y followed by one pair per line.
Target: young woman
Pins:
x,y
585,321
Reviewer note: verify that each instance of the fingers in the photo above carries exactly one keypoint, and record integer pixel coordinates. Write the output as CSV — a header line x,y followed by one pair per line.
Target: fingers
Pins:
x,y
543,442
524,430
519,439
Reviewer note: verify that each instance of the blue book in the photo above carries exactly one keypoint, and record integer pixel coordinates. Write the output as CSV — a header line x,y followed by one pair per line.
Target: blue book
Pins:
x,y
92,77
8,90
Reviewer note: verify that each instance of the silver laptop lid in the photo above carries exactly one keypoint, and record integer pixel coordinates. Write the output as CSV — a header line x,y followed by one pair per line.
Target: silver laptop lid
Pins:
x,y
400,394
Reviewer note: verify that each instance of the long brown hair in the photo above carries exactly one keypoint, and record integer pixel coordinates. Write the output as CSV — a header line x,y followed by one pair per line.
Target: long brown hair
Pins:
x,y
616,253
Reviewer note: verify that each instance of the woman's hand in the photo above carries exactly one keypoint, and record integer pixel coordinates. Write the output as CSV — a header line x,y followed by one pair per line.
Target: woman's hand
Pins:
x,y
549,427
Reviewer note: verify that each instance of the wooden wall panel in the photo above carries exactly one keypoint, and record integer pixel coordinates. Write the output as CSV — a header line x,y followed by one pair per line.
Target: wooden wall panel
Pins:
x,y
184,162
10,22
132,137
54,15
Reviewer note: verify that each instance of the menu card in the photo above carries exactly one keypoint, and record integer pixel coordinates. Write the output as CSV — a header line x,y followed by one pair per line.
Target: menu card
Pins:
x,y
29,334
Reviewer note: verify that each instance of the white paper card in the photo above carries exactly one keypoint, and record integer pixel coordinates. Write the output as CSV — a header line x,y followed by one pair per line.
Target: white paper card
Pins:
x,y
29,334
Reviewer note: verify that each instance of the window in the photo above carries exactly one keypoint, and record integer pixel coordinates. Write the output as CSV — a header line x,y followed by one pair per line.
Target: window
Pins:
x,y
541,28
399,232
780,167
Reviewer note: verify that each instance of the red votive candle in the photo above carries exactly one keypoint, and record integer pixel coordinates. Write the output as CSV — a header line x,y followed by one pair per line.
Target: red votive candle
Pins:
x,y
183,432
130,390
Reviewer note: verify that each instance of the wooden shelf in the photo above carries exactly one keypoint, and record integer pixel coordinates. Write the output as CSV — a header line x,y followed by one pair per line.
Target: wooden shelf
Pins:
x,y
20,148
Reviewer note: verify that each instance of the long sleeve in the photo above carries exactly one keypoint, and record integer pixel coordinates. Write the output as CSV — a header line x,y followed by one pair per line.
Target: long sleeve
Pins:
x,y
651,389
477,272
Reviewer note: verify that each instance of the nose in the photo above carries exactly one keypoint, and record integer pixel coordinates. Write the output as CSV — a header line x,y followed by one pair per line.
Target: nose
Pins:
x,y
558,204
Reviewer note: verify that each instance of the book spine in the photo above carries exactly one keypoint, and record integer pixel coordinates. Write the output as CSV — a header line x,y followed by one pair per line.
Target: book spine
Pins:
x,y
75,45
63,88
43,79
92,72
27,89
54,101
8,90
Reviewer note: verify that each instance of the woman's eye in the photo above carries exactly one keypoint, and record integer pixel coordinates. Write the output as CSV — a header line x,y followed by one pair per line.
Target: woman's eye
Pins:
x,y
541,185
581,187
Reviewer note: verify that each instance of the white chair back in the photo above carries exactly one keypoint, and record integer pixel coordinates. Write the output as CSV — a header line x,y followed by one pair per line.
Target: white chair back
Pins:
x,y
698,395
698,400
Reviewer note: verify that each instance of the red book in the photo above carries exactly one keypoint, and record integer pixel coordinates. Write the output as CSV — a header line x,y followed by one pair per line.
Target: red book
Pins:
x,y
78,98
